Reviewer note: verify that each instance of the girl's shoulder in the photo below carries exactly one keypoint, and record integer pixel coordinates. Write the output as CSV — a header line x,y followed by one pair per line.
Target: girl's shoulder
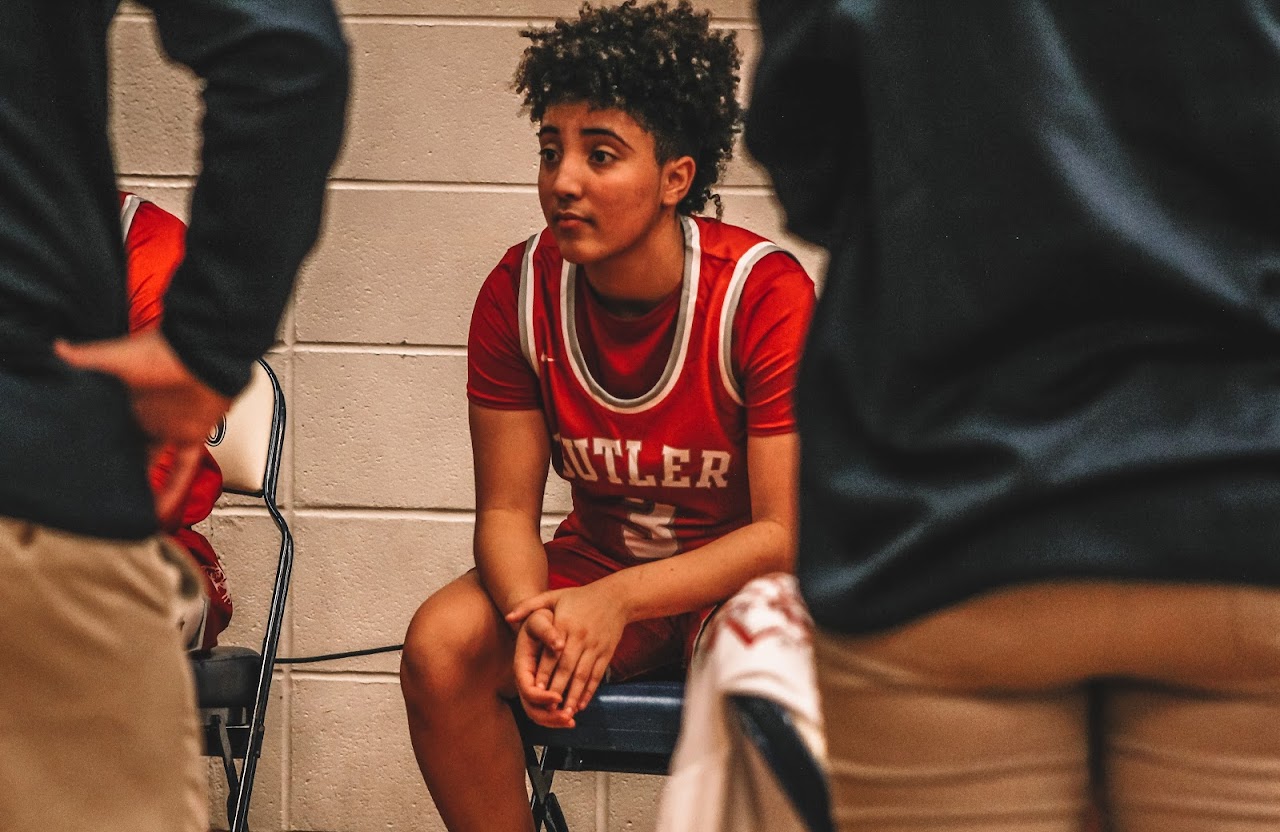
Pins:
x,y
725,245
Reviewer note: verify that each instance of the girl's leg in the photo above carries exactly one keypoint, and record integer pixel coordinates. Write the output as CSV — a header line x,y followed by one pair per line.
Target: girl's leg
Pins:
x,y
928,758
455,673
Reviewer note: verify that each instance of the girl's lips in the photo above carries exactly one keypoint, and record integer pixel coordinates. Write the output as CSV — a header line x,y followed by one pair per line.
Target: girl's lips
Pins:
x,y
570,223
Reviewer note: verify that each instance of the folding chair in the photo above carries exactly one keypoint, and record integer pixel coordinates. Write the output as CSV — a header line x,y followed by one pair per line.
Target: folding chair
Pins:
x,y
632,727
233,683
771,730
628,727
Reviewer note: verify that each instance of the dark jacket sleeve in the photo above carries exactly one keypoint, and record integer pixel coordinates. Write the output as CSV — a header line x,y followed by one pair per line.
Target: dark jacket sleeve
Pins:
x,y
275,78
804,122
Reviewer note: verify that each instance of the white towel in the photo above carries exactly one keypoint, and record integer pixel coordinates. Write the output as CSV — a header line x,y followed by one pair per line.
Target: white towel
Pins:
x,y
761,643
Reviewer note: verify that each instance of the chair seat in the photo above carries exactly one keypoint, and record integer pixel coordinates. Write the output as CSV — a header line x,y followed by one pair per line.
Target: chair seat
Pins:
x,y
226,677
633,717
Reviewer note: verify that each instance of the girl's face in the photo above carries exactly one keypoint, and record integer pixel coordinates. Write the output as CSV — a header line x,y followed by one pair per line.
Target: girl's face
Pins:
x,y
602,189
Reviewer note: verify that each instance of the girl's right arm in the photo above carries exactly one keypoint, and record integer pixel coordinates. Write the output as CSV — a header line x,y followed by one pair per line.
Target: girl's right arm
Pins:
x,y
510,453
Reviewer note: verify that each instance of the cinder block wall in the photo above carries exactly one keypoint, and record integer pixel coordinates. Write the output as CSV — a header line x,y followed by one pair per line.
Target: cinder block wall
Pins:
x,y
436,180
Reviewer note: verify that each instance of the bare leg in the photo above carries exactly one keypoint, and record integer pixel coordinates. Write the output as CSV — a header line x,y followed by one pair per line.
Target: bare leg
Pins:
x,y
456,667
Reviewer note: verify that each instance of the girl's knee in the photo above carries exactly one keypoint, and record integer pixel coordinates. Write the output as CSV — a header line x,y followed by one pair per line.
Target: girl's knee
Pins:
x,y
451,650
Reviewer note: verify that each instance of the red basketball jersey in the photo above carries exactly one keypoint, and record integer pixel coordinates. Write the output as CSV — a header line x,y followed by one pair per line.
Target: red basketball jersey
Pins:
x,y
666,470
154,242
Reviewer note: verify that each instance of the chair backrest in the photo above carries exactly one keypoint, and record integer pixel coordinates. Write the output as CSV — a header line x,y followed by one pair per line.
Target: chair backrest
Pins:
x,y
246,438
247,444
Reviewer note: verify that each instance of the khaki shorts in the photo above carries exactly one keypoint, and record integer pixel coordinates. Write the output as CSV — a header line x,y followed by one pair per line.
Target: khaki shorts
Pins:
x,y
992,714
98,728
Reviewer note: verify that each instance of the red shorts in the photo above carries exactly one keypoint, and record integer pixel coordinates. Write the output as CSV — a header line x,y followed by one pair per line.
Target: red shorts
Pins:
x,y
646,646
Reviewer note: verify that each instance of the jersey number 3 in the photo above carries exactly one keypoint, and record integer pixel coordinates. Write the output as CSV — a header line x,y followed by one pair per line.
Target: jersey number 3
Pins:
x,y
650,531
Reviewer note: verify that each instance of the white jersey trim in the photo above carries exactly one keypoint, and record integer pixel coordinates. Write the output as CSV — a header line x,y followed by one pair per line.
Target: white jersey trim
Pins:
x,y
733,295
527,344
679,348
132,203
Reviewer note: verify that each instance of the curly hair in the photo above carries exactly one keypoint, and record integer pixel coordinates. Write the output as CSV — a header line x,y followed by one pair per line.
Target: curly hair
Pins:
x,y
661,64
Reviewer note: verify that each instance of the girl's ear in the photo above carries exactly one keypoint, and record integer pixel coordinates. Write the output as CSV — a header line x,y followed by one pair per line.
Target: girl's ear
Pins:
x,y
677,178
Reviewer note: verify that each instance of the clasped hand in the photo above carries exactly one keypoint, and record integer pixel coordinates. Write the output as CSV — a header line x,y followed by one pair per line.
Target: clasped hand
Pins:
x,y
563,647
172,406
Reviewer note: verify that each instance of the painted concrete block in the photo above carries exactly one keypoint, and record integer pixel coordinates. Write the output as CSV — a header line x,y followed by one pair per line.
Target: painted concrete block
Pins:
x,y
360,579
404,266
633,802
353,769
154,103
381,430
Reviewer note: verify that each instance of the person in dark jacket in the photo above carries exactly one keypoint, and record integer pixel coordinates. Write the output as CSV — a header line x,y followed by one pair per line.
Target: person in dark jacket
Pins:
x,y
1039,406
97,719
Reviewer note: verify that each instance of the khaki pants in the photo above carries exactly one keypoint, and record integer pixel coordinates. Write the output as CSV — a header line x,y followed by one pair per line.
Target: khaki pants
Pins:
x,y
989,715
98,730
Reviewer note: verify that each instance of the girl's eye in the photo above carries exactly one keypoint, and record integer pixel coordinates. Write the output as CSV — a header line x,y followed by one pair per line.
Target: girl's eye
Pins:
x,y
548,155
601,157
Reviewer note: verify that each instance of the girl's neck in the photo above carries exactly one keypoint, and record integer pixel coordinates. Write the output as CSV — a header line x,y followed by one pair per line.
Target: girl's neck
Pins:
x,y
635,281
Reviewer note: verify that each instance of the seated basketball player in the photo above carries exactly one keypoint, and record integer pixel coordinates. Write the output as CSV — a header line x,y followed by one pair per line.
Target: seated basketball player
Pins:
x,y
154,243
648,354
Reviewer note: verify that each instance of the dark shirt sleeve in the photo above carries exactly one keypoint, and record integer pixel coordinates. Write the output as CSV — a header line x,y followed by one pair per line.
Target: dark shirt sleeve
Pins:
x,y
275,78
804,123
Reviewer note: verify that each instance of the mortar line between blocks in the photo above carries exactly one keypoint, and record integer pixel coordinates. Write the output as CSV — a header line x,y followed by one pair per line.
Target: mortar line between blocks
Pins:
x,y
329,348
165,180
602,801
359,677
457,21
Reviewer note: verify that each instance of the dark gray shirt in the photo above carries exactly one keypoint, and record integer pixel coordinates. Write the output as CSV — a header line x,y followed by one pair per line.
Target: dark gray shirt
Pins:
x,y
275,79
1048,345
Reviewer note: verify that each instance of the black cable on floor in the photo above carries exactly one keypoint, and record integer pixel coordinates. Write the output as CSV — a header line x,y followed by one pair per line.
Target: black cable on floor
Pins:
x,y
326,657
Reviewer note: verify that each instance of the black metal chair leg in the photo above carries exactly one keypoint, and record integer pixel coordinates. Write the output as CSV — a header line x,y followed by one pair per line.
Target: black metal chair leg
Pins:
x,y
229,769
555,817
769,728
228,762
540,777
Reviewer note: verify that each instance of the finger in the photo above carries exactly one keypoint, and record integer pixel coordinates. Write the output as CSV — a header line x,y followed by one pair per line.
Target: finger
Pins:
x,y
142,360
597,676
553,716
543,628
586,677
524,663
536,697
524,668
548,718
546,667
566,667
578,682
171,495
170,403
94,355
527,607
